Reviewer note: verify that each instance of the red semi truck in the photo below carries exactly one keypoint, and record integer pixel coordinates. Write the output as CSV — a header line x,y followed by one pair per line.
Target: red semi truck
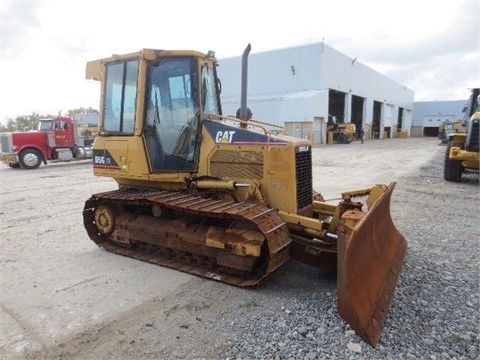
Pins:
x,y
55,139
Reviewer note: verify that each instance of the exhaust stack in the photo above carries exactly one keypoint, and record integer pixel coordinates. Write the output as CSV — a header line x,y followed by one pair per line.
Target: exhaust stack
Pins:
x,y
245,113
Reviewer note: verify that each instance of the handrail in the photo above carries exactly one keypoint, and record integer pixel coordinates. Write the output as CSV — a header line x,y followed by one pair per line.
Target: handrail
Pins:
x,y
256,123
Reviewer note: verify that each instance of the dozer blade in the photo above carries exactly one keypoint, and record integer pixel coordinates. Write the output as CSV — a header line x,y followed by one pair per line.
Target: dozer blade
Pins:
x,y
370,257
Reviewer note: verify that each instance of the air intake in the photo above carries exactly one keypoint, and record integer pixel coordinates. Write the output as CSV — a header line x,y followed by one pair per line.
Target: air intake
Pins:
x,y
303,161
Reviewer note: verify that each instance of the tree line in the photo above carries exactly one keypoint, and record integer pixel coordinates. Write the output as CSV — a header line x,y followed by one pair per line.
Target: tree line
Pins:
x,y
30,122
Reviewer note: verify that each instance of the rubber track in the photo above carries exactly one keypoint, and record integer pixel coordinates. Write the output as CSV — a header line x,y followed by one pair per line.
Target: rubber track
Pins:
x,y
267,220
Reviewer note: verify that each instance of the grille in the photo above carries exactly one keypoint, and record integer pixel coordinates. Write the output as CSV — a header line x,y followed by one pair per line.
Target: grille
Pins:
x,y
6,143
237,164
303,161
473,136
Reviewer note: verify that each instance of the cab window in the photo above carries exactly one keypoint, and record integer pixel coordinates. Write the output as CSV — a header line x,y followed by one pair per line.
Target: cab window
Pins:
x,y
45,125
120,97
209,91
60,125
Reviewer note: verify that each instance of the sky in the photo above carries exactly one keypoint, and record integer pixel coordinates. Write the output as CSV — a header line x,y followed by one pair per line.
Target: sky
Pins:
x,y
432,47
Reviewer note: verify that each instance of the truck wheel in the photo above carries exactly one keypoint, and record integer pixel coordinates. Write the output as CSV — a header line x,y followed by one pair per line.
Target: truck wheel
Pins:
x,y
30,159
452,169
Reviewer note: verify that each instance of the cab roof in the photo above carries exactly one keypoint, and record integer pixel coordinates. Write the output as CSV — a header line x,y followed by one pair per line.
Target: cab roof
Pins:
x,y
94,67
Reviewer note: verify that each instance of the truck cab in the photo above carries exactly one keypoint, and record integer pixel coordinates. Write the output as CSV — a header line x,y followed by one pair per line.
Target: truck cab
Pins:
x,y
62,129
55,139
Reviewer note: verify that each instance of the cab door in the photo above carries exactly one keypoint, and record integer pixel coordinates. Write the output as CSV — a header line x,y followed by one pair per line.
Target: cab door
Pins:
x,y
63,134
172,125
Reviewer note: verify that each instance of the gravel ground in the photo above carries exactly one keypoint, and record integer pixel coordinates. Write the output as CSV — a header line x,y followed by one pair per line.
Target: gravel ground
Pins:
x,y
435,312
292,315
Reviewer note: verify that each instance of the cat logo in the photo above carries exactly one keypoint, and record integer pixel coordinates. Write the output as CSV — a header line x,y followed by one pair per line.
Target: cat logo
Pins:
x,y
223,136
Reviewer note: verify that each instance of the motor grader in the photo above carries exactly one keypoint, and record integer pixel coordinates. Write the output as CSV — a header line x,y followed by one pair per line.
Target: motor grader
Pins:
x,y
227,198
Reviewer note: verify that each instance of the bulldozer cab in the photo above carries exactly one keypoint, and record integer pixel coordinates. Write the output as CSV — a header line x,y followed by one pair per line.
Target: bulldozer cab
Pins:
x,y
162,96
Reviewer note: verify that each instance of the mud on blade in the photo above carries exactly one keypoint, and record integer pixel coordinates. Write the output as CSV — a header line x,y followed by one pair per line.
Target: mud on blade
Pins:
x,y
370,257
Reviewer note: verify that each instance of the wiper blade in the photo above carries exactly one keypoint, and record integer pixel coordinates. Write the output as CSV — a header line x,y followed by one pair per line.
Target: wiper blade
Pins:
x,y
157,113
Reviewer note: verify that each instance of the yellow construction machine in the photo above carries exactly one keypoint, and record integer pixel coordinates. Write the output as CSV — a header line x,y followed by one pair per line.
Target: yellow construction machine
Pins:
x,y
226,198
463,150
340,133
447,128
87,133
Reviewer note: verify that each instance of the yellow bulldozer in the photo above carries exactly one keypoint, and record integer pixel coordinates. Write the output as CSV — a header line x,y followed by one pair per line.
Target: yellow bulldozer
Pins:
x,y
224,197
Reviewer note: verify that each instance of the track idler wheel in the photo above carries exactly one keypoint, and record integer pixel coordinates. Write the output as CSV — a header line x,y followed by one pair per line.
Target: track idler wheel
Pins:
x,y
105,219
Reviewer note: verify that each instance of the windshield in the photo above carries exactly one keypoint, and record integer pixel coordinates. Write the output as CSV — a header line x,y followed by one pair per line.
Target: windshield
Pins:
x,y
44,125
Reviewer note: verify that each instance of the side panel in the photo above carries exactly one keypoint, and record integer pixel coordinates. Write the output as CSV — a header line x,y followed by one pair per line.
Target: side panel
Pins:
x,y
113,157
35,139
125,160
280,180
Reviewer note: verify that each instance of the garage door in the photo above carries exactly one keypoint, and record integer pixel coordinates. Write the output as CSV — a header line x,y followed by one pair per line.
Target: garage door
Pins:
x,y
388,118
436,120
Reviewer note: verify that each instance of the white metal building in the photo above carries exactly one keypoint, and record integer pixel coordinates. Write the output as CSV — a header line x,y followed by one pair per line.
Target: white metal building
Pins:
x,y
305,84
428,115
